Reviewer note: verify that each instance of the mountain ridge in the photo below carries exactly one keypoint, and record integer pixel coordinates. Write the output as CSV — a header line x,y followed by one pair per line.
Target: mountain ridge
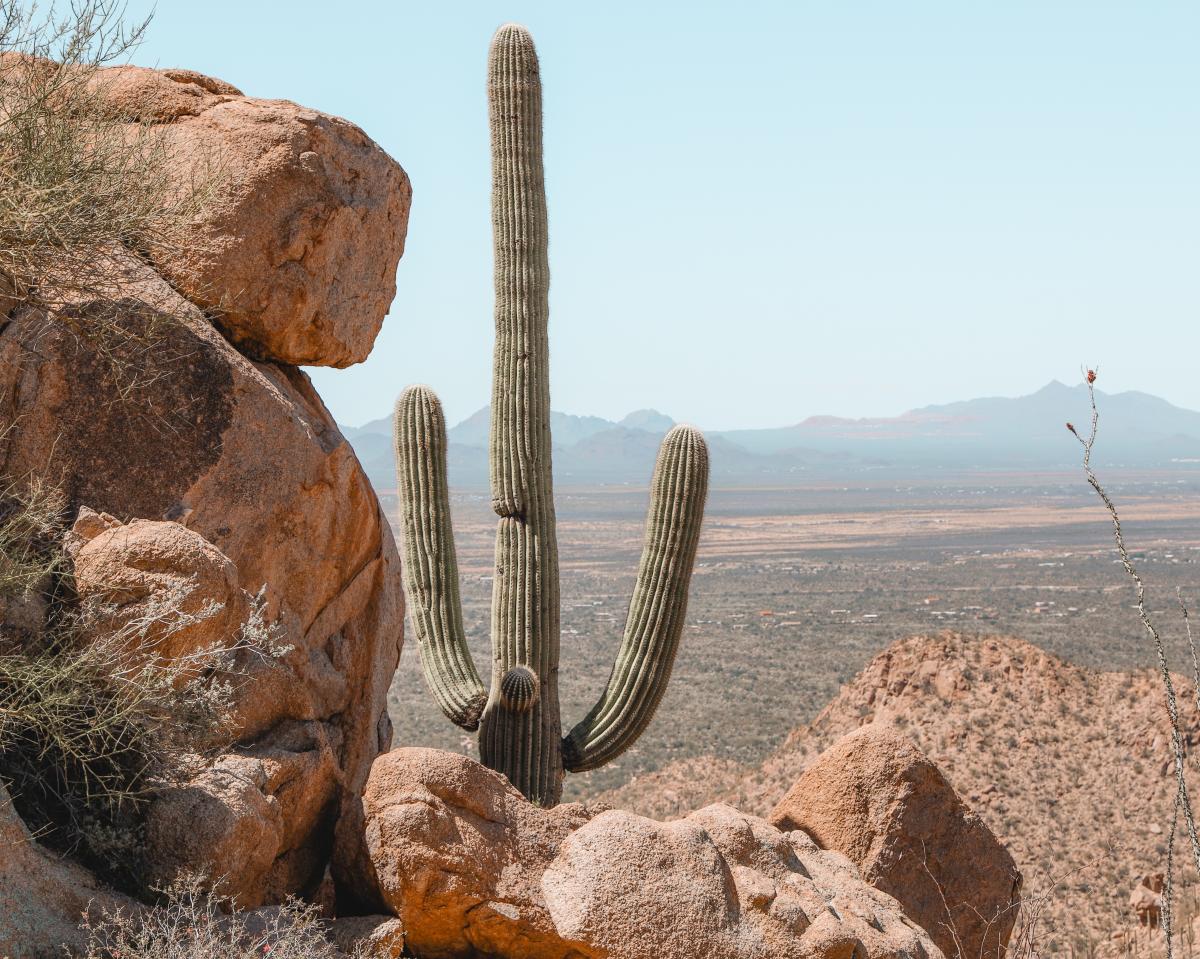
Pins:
x,y
987,433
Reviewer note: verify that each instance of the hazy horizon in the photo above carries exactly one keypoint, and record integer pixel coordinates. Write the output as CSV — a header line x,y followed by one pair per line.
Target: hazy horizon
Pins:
x,y
1081,386
801,209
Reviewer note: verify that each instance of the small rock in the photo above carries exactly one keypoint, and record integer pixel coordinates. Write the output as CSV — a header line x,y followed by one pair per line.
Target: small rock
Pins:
x,y
1146,900
161,573
376,937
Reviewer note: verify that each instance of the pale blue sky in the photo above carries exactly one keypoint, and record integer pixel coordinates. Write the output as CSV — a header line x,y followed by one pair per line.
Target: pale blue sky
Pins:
x,y
762,211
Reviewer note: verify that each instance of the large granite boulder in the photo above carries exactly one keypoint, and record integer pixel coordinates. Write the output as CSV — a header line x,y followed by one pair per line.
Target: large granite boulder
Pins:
x,y
228,476
296,250
471,868
876,798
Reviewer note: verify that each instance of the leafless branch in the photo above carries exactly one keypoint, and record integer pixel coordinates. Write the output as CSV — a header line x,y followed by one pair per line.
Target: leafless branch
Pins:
x,y
1182,799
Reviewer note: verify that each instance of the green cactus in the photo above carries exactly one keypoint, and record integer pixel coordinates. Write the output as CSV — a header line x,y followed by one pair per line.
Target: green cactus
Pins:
x,y
520,733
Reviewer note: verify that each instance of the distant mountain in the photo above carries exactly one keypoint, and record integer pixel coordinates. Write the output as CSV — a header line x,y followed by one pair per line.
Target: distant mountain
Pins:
x,y
652,421
587,449
1025,432
380,427
1136,428
564,428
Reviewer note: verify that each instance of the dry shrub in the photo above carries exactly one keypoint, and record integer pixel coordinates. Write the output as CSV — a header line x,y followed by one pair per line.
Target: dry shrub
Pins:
x,y
79,183
191,924
82,187
30,531
91,727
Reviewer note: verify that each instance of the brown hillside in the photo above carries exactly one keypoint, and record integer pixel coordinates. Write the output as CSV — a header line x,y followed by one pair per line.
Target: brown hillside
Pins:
x,y
1071,767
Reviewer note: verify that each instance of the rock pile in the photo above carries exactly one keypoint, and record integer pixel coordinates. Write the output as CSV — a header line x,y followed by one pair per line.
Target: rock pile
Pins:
x,y
200,464
471,868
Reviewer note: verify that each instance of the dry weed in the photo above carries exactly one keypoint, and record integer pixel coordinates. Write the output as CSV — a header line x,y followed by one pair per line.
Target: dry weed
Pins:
x,y
193,924
82,187
1183,802
91,726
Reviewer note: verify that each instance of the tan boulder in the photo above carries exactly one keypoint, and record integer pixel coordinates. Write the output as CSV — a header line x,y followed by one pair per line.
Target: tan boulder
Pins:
x,y
133,574
296,252
223,826
1147,899
876,798
246,821
369,937
471,868
42,896
153,415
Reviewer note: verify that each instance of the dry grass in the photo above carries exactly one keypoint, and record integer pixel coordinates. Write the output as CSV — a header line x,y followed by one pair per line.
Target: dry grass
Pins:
x,y
191,924
30,528
83,188
90,725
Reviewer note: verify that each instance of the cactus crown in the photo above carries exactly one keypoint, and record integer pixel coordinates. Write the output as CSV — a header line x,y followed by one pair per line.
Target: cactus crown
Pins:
x,y
517,715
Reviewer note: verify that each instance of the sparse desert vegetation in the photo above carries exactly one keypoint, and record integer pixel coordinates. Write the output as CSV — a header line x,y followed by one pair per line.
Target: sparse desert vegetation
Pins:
x,y
796,590
1058,738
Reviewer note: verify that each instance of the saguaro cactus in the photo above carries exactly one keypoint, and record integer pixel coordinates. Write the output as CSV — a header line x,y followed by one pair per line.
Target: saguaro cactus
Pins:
x,y
518,720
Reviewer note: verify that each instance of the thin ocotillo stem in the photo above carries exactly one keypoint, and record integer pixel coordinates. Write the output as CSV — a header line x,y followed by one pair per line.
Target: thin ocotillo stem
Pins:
x,y
1182,800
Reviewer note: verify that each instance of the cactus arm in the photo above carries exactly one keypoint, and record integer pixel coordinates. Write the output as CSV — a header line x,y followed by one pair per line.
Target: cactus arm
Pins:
x,y
520,732
431,567
657,610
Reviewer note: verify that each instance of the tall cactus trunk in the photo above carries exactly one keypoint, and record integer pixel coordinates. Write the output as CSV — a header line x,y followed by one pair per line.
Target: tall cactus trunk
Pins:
x,y
520,736
518,718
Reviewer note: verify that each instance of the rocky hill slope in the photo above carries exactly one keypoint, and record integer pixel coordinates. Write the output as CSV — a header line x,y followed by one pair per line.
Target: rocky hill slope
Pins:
x,y
1070,767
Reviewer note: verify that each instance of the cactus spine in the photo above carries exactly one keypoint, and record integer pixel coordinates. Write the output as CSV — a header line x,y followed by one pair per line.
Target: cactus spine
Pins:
x,y
518,721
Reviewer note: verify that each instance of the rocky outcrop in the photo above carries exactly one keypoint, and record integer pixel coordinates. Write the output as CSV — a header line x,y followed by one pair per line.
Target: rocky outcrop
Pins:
x,y
201,472
42,897
245,460
1146,900
128,573
1033,744
470,868
877,799
296,250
